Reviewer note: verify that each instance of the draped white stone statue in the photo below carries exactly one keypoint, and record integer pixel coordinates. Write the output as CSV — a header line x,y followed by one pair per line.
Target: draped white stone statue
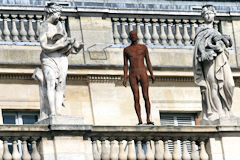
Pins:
x,y
56,46
212,71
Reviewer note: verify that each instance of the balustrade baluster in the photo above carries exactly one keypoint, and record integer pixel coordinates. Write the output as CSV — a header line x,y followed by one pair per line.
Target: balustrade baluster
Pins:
x,y
215,25
131,150
113,154
159,152
25,153
185,154
121,154
105,155
14,30
139,31
23,32
176,154
147,35
130,24
38,18
194,155
192,24
155,34
163,35
178,35
186,37
31,32
140,153
0,32
170,34
96,154
124,35
167,155
35,154
149,153
6,154
15,154
116,35
203,153
6,31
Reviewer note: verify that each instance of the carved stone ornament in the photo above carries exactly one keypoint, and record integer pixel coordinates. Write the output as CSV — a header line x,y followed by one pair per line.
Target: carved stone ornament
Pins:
x,y
56,46
212,70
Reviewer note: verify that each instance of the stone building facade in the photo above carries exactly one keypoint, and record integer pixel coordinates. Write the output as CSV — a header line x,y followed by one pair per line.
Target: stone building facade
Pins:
x,y
94,88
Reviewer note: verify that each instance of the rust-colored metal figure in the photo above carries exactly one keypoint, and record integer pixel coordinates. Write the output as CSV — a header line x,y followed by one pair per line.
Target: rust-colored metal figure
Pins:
x,y
136,53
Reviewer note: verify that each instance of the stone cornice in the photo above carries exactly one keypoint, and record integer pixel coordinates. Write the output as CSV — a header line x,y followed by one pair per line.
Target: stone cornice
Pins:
x,y
105,78
131,7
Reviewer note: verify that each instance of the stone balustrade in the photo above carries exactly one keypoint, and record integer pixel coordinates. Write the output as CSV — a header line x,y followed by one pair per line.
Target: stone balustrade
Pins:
x,y
150,143
18,142
87,142
151,31
157,31
21,28
20,148
149,148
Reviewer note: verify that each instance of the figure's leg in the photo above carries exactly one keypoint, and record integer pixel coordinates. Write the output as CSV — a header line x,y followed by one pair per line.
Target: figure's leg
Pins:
x,y
209,72
60,94
204,103
49,76
60,89
145,84
135,89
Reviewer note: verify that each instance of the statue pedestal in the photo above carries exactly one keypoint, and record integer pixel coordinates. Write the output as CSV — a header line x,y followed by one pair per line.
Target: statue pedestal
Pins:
x,y
62,120
232,121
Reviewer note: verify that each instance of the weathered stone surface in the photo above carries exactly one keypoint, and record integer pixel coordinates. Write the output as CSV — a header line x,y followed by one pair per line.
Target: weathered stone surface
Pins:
x,y
212,69
63,120
230,147
56,46
232,121
96,30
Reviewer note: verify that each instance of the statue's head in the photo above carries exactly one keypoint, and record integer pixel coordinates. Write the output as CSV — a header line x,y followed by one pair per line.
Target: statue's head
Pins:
x,y
208,13
133,36
53,9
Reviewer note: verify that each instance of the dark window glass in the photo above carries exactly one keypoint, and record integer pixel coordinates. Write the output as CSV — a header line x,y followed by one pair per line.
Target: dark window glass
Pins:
x,y
29,119
9,119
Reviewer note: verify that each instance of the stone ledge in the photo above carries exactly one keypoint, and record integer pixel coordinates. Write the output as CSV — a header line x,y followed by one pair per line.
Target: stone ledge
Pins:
x,y
70,127
172,129
32,128
62,120
211,129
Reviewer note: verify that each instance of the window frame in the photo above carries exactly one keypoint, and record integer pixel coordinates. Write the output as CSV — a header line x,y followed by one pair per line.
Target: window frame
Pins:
x,y
18,115
175,116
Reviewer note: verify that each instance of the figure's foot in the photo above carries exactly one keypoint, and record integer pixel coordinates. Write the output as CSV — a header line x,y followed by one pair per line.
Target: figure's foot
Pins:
x,y
140,123
150,123
213,117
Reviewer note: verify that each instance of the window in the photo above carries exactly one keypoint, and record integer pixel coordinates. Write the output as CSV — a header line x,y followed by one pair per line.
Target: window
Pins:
x,y
20,117
178,119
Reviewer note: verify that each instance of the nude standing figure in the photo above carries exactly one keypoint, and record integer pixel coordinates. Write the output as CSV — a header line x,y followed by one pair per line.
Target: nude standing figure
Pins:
x,y
135,54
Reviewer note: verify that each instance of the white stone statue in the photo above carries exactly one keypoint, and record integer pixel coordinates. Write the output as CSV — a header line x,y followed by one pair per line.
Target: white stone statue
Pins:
x,y
56,46
212,71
